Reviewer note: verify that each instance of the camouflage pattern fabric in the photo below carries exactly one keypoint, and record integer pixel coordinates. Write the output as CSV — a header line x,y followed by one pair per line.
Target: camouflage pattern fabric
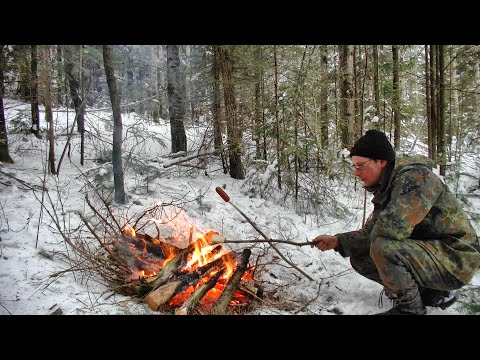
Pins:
x,y
416,232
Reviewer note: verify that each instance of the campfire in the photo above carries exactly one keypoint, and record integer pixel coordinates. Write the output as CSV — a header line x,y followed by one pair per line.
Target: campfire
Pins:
x,y
173,274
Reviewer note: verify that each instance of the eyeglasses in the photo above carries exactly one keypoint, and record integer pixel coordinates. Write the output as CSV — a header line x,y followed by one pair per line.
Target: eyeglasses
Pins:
x,y
361,167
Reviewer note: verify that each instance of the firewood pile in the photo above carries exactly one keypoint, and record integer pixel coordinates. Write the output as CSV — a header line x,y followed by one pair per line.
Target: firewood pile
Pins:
x,y
184,273
202,277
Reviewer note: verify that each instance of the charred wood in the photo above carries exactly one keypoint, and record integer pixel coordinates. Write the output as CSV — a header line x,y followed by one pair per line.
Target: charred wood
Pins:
x,y
164,293
221,306
143,245
189,305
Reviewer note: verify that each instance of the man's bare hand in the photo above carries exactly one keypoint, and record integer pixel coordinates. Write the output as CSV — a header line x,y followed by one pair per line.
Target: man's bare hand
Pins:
x,y
325,242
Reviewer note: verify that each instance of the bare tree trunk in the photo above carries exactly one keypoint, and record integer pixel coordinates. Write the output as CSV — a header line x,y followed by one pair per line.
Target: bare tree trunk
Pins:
x,y
257,124
59,76
364,80
120,197
428,104
4,154
441,113
376,88
346,122
218,127
74,86
35,129
433,102
454,108
396,97
324,96
234,128
47,100
357,128
163,83
277,122
24,81
175,100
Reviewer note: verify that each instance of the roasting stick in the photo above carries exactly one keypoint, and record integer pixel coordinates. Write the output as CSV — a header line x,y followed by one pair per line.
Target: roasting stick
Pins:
x,y
226,198
220,239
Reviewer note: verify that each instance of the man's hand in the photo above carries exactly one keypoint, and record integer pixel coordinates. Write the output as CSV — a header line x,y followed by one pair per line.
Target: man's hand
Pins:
x,y
325,242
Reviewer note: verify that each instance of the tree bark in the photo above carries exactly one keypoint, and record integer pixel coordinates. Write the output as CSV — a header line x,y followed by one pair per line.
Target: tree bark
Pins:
x,y
441,107
428,104
218,126
35,129
234,128
433,101
346,122
74,87
4,153
120,197
396,98
277,122
47,100
376,88
175,100
257,121
324,97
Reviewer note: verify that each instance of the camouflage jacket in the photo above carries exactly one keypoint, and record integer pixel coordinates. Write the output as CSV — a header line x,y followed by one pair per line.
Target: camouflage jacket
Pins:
x,y
411,201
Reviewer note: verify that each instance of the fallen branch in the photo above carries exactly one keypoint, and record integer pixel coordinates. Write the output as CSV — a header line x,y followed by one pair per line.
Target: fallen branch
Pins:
x,y
24,183
187,158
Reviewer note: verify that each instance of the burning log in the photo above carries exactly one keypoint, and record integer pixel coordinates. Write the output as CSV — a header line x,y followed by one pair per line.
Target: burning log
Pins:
x,y
221,305
198,294
164,293
168,270
181,276
143,245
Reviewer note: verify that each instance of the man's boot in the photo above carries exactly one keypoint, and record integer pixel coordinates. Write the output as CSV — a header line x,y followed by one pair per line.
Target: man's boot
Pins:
x,y
406,302
437,298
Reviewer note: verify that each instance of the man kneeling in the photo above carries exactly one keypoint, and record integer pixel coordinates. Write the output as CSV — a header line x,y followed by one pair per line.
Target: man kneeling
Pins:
x,y
418,242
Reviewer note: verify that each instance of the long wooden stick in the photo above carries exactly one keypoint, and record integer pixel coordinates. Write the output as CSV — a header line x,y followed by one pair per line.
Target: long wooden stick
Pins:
x,y
273,241
226,198
219,239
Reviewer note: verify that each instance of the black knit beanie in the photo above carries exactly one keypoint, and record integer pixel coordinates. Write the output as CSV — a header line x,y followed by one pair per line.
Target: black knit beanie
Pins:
x,y
375,145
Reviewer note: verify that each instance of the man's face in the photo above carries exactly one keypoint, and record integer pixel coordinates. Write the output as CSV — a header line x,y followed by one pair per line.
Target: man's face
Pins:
x,y
368,170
